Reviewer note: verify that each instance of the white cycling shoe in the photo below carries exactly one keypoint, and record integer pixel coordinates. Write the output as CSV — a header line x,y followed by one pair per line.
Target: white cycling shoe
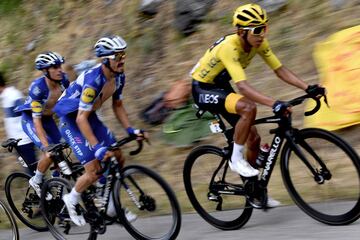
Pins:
x,y
130,216
74,216
111,211
36,186
272,203
243,168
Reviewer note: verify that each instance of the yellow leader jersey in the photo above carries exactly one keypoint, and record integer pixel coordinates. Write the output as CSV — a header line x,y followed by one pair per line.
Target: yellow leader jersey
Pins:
x,y
228,53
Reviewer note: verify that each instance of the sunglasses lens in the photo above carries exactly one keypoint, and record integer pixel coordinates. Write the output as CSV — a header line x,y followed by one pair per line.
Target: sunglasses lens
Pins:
x,y
259,30
119,56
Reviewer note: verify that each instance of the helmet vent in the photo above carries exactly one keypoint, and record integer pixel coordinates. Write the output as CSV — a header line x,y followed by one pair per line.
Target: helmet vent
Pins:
x,y
242,18
249,13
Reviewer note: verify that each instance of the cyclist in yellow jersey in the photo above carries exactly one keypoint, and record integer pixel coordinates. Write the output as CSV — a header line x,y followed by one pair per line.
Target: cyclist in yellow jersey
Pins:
x,y
226,60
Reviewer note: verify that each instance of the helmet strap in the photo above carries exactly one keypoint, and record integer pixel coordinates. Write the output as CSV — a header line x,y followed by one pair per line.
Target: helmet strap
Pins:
x,y
245,37
106,62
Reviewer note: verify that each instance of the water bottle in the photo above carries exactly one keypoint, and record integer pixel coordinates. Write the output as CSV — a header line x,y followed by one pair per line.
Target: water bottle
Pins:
x,y
64,168
22,162
263,154
98,200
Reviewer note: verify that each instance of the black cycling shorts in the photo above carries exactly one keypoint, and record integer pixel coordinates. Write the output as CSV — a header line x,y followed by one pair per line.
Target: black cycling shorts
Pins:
x,y
214,99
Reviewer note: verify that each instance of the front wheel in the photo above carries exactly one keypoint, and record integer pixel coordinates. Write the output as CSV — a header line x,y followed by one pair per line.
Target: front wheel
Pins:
x,y
8,226
55,212
24,201
144,196
214,191
332,195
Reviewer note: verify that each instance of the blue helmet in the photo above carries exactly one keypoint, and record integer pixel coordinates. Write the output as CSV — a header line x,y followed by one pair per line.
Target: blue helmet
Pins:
x,y
108,46
48,59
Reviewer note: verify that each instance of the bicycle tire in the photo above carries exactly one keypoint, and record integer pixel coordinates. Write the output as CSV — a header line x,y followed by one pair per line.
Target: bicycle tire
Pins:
x,y
17,189
11,220
313,198
55,213
151,200
197,189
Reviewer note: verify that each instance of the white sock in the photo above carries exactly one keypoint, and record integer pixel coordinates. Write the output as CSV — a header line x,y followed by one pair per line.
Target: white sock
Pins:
x,y
237,154
38,177
74,196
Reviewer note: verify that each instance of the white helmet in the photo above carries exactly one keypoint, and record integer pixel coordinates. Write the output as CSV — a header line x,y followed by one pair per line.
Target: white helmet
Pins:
x,y
48,59
108,46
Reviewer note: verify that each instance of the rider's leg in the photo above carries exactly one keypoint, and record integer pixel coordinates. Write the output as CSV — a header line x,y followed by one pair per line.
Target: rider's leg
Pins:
x,y
252,144
247,110
89,177
73,198
28,153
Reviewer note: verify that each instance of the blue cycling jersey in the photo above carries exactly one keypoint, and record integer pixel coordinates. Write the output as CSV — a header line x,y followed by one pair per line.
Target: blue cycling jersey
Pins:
x,y
38,95
83,93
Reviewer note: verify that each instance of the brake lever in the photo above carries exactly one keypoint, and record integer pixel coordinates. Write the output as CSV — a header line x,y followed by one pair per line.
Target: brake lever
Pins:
x,y
326,101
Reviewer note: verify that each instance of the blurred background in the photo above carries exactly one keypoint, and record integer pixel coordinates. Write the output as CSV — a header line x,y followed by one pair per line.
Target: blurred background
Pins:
x,y
165,40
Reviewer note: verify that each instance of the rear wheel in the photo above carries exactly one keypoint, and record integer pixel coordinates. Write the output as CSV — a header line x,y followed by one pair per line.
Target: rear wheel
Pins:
x,y
333,196
143,193
212,195
24,201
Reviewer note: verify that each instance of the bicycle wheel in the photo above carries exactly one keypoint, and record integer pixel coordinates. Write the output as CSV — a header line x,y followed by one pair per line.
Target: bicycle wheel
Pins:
x,y
55,212
215,200
24,201
8,226
144,193
336,200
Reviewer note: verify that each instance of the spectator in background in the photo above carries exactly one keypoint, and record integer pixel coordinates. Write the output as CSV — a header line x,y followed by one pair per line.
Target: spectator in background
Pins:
x,y
10,98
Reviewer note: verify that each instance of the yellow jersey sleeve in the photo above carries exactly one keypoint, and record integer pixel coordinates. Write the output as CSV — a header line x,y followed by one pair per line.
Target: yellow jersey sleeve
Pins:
x,y
230,57
268,56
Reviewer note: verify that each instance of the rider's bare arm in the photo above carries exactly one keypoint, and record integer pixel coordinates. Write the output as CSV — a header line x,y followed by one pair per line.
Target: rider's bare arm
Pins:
x,y
82,120
254,95
40,131
121,113
289,77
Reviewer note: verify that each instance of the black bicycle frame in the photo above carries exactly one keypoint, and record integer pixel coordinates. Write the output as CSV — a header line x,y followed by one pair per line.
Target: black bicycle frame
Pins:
x,y
275,145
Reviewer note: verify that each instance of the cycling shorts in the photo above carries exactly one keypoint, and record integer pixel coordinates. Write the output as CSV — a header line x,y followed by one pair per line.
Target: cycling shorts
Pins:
x,y
216,99
78,143
52,132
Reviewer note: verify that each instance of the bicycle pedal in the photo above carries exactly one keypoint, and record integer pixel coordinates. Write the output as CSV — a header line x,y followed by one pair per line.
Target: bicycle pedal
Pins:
x,y
256,204
213,197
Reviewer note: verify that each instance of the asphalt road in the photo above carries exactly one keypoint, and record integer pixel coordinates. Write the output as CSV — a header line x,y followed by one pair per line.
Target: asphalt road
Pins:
x,y
288,223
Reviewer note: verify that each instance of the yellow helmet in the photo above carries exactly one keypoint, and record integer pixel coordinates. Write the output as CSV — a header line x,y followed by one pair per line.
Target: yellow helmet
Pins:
x,y
249,15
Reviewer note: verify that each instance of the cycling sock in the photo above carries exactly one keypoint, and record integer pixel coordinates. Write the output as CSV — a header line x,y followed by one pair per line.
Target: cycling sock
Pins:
x,y
74,196
38,177
237,153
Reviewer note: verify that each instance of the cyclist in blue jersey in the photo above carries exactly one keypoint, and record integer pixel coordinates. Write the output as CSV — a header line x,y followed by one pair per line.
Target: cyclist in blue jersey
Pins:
x,y
37,111
80,125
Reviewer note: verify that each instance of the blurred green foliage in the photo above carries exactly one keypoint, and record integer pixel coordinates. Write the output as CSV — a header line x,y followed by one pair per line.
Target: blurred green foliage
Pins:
x,y
9,6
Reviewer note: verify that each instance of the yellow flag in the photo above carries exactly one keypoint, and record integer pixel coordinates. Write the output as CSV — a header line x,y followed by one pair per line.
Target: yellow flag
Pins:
x,y
338,62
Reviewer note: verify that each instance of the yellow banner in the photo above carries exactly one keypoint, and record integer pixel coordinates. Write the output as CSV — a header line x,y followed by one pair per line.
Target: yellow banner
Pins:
x,y
338,62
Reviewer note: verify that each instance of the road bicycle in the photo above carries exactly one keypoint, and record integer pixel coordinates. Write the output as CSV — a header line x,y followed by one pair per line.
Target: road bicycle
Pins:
x,y
8,226
320,171
133,188
22,198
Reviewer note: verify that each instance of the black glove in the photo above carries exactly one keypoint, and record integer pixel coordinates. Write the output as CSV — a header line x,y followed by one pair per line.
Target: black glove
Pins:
x,y
280,107
315,90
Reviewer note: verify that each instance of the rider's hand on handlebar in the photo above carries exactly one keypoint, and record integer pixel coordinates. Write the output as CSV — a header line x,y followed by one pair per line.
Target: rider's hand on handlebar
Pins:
x,y
315,91
139,133
281,107
102,152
